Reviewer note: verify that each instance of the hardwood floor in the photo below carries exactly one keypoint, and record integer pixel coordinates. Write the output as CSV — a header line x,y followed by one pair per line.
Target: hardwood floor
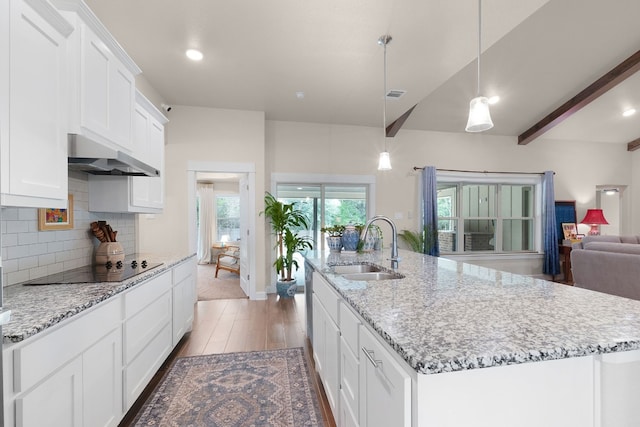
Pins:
x,y
227,326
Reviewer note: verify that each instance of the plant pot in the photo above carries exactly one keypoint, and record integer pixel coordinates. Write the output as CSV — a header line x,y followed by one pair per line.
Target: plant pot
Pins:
x,y
286,289
334,243
350,238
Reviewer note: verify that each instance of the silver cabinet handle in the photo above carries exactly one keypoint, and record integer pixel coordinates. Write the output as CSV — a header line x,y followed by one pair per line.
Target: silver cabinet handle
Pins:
x,y
370,354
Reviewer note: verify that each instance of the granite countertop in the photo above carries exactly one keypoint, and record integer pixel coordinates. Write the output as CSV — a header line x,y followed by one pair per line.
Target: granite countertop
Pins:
x,y
447,316
36,308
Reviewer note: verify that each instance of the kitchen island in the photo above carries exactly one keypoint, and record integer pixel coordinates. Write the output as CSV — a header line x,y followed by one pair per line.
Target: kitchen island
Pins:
x,y
508,349
81,353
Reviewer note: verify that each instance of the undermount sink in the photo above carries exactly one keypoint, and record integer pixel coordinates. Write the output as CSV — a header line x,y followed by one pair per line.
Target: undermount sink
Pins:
x,y
373,275
356,268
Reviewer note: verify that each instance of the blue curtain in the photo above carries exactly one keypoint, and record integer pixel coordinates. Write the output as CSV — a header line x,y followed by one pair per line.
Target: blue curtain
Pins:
x,y
430,210
550,231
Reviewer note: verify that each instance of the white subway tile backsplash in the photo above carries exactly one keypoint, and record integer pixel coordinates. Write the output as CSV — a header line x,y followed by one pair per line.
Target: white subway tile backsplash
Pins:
x,y
27,263
27,238
46,260
28,253
17,277
14,252
17,226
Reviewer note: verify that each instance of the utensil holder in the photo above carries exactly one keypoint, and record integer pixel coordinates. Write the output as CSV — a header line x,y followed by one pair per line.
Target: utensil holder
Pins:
x,y
109,251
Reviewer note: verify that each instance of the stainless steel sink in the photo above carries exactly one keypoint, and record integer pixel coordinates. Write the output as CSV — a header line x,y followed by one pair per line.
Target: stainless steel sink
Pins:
x,y
373,275
356,268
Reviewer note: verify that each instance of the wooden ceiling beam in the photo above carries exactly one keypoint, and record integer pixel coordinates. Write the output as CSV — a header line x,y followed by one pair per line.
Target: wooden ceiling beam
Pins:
x,y
617,75
633,145
394,127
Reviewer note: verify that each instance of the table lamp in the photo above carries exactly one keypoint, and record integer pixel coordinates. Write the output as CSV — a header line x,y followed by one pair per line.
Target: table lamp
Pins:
x,y
594,218
224,239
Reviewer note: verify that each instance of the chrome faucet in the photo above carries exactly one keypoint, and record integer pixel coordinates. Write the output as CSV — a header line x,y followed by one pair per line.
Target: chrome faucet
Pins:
x,y
394,237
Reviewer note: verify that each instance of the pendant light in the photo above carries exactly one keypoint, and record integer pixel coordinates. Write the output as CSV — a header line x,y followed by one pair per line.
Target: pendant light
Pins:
x,y
479,116
384,162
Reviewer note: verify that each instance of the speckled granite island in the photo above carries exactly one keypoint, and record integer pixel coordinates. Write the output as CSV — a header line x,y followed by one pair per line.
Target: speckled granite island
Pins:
x,y
483,347
80,354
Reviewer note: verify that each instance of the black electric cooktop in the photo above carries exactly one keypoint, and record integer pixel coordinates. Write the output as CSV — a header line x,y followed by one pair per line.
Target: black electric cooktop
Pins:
x,y
110,272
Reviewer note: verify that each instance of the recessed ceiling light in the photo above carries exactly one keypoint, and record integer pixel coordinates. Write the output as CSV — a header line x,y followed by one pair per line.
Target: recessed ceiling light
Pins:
x,y
300,95
629,112
494,99
194,55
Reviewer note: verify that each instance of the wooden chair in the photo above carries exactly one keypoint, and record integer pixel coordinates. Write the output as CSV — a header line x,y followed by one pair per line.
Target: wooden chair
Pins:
x,y
229,260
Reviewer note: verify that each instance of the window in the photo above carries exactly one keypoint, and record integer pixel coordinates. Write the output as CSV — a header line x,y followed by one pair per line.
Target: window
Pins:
x,y
496,213
327,204
227,218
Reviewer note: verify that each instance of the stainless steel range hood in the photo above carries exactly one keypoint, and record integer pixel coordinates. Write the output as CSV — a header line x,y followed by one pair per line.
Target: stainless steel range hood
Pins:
x,y
92,157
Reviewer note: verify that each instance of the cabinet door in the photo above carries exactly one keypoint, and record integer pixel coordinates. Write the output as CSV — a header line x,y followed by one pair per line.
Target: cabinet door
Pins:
x,y
121,103
102,381
108,92
94,82
57,401
319,326
182,309
37,112
385,388
331,378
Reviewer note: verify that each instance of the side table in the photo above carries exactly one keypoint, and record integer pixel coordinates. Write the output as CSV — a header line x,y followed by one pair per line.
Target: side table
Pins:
x,y
565,258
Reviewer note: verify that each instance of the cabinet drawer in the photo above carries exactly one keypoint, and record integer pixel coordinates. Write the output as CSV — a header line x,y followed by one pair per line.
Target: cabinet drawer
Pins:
x,y
63,343
140,296
327,296
349,327
140,329
183,270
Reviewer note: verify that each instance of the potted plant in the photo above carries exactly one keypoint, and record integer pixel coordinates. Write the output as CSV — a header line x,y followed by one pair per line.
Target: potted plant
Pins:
x,y
374,235
285,218
334,237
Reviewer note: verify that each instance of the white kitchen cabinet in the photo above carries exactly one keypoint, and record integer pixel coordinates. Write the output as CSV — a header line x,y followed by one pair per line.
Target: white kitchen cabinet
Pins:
x,y
326,339
102,80
57,401
71,374
135,194
147,333
349,367
385,387
102,382
184,295
33,104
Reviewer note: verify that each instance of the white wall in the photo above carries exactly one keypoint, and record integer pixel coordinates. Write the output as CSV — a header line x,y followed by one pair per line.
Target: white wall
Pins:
x,y
336,149
204,135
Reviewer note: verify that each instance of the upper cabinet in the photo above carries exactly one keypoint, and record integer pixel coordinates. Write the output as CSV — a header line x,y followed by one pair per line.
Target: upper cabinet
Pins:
x,y
102,80
33,104
133,193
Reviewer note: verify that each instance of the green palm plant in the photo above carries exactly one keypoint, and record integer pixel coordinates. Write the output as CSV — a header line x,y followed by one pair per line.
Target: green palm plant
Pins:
x,y
419,241
285,217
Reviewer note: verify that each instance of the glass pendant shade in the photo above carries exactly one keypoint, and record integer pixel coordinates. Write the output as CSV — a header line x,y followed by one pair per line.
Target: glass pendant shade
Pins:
x,y
479,115
384,163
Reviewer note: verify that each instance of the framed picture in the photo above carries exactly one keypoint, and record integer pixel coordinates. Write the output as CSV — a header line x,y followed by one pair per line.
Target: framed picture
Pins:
x,y
56,219
569,230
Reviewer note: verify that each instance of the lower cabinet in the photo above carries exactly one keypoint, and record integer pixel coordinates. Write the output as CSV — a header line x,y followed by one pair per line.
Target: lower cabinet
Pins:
x,y
364,384
184,296
385,387
90,369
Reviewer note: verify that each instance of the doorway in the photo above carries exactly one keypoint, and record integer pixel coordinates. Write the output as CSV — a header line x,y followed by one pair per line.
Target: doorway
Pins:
x,y
244,174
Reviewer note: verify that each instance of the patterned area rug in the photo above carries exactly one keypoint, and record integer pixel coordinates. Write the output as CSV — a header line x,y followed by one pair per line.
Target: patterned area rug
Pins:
x,y
261,388
225,286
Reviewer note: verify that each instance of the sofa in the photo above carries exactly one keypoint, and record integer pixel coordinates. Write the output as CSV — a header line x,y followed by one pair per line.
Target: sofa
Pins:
x,y
609,264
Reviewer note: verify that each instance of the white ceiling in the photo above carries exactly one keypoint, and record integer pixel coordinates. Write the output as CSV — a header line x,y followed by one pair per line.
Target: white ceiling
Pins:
x,y
258,54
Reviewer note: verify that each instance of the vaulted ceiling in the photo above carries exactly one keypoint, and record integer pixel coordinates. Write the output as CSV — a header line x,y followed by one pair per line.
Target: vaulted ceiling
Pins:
x,y
537,54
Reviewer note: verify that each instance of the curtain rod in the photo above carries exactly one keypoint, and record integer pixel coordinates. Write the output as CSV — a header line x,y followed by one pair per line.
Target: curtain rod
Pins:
x,y
415,168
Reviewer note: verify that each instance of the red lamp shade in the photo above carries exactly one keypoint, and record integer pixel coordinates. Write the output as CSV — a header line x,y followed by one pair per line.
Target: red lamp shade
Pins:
x,y
594,218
